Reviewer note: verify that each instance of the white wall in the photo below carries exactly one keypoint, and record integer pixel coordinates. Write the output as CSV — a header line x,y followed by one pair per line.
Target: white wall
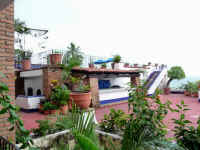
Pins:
x,y
35,83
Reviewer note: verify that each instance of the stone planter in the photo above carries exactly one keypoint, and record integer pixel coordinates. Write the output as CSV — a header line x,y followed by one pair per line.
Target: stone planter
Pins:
x,y
55,59
26,64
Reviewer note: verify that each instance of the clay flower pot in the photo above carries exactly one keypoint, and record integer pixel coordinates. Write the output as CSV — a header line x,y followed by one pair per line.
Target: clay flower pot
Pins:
x,y
64,109
46,112
26,64
82,100
167,91
91,65
186,93
55,59
55,111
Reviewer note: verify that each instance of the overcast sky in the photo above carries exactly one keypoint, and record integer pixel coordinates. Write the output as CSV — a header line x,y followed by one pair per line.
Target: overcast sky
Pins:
x,y
163,31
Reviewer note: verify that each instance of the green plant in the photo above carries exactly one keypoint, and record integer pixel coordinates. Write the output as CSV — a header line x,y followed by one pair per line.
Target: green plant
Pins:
x,y
60,95
175,72
114,121
146,119
55,51
16,123
186,136
49,106
45,128
73,55
104,65
79,85
117,58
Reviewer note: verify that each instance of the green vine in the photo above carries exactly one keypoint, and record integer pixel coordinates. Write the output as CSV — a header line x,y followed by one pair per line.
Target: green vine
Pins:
x,y
14,120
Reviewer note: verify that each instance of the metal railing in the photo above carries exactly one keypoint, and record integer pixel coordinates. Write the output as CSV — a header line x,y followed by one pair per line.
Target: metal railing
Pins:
x,y
6,145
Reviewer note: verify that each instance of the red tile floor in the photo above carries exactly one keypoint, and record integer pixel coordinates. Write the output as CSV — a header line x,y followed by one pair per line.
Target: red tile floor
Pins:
x,y
193,114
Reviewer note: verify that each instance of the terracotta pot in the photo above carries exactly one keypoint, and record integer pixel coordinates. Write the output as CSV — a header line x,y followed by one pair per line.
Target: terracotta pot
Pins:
x,y
186,93
41,108
55,111
102,67
55,59
126,65
135,65
115,65
26,64
46,112
194,94
82,100
167,91
64,109
91,65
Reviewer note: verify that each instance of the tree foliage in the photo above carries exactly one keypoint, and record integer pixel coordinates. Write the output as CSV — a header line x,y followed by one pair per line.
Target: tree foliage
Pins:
x,y
175,72
73,54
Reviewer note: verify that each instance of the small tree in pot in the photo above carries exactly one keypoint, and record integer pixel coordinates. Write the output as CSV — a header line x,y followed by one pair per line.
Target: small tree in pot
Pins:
x,y
175,72
116,61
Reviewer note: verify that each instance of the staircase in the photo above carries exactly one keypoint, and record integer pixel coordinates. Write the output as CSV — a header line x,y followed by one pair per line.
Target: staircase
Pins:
x,y
152,77
155,79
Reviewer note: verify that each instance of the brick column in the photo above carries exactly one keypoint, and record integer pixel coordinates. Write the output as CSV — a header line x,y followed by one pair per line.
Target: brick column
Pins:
x,y
7,57
49,74
94,91
135,80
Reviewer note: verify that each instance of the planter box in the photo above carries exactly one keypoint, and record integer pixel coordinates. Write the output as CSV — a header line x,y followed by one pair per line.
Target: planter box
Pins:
x,y
28,102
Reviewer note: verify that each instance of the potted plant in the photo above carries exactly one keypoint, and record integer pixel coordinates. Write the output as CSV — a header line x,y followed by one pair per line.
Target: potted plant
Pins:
x,y
175,72
26,62
135,65
103,66
81,94
116,61
55,57
60,97
126,65
91,64
49,108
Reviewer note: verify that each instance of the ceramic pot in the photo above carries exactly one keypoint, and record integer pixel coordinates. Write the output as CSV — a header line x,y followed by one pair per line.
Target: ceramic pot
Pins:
x,y
82,100
55,59
167,91
64,109
26,64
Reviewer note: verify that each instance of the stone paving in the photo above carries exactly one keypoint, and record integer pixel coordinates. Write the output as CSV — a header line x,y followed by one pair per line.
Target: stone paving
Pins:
x,y
193,114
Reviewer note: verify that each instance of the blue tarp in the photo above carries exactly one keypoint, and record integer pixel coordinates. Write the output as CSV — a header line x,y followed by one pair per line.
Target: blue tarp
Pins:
x,y
103,61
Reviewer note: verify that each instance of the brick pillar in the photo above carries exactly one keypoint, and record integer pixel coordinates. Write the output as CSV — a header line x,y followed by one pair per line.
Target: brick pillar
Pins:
x,y
135,80
7,57
49,74
94,91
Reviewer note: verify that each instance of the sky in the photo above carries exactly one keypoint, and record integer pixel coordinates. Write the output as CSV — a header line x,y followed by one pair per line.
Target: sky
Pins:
x,y
157,31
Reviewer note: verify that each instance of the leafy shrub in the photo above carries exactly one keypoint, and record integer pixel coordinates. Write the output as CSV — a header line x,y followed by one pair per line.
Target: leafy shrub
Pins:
x,y
114,121
146,119
186,135
60,95
117,58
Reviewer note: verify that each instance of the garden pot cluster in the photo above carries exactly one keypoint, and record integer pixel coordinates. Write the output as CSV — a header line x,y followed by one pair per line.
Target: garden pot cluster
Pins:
x,y
191,89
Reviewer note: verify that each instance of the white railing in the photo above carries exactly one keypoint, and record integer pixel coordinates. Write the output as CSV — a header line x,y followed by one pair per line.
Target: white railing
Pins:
x,y
157,80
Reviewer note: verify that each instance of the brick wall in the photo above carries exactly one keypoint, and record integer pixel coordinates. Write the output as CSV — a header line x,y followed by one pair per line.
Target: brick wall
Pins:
x,y
49,74
6,56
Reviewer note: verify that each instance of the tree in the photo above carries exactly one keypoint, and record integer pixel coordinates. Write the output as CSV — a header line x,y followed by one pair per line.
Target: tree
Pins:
x,y
20,27
175,72
73,53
